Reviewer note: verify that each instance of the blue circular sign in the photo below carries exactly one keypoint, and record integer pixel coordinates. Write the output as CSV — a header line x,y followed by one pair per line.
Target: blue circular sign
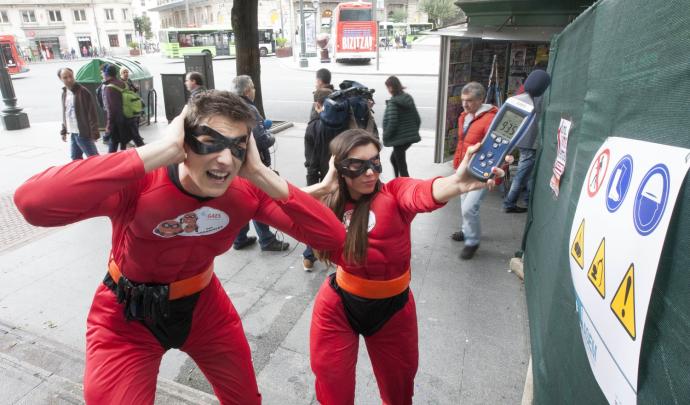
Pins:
x,y
619,183
651,199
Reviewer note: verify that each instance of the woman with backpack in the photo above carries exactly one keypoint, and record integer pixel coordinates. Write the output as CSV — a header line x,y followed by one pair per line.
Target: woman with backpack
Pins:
x,y
133,122
369,293
401,123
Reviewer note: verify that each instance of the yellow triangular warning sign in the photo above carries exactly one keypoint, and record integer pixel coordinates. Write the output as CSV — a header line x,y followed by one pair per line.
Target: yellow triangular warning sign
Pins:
x,y
597,270
577,250
623,303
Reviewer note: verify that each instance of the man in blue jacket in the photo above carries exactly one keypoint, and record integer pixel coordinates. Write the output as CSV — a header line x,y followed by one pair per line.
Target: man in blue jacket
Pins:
x,y
243,86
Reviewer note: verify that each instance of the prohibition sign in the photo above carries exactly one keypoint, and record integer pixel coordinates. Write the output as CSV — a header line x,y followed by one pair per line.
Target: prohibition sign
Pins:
x,y
597,172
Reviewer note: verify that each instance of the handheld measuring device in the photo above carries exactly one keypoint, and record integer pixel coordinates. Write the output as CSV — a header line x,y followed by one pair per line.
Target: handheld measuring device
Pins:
x,y
509,126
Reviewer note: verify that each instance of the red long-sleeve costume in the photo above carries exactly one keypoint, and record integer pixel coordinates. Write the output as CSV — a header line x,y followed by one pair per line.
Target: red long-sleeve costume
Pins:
x,y
393,349
161,234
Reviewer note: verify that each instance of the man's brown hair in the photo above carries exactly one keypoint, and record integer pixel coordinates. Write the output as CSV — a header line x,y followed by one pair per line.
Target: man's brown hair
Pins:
x,y
321,94
218,102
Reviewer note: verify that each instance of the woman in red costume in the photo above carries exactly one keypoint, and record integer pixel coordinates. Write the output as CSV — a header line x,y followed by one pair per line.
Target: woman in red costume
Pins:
x,y
369,294
174,205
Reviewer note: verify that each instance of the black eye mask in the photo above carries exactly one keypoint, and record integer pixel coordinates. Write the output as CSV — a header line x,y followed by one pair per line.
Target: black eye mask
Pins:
x,y
219,143
353,168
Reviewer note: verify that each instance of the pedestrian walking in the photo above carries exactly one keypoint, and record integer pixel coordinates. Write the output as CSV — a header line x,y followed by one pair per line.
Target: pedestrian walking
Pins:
x,y
174,205
132,123
369,293
243,86
116,126
323,81
473,124
194,82
79,118
401,124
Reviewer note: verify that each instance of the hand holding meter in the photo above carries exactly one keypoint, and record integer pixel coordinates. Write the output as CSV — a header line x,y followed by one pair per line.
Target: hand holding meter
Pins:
x,y
509,126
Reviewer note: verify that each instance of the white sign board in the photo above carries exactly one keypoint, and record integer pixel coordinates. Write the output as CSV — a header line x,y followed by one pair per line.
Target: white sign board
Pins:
x,y
615,242
559,164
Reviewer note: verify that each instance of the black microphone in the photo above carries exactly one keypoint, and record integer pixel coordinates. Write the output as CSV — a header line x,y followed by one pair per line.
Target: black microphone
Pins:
x,y
537,82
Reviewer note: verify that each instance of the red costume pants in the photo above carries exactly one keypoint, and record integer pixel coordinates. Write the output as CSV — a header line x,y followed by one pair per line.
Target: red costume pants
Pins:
x,y
333,350
123,358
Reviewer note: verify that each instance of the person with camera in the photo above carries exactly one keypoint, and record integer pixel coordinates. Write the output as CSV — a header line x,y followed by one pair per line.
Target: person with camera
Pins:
x,y
369,293
174,204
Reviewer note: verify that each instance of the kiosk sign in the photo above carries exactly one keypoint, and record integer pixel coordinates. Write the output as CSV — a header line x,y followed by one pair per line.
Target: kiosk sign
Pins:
x,y
615,242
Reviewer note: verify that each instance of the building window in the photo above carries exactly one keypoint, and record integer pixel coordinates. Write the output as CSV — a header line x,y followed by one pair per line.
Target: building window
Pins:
x,y
125,14
109,14
28,16
79,15
55,15
114,40
3,17
128,38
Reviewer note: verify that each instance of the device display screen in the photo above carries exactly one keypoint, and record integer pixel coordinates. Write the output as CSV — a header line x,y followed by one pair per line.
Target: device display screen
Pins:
x,y
509,124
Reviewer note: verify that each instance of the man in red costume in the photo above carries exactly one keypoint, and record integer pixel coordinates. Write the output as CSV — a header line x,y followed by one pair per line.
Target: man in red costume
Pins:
x,y
160,291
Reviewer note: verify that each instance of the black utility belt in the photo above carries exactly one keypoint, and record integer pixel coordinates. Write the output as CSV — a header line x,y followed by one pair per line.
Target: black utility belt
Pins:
x,y
365,315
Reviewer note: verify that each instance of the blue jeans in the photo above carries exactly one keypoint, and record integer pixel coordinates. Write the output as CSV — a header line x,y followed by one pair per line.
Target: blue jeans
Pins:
x,y
469,205
266,237
82,146
522,179
309,254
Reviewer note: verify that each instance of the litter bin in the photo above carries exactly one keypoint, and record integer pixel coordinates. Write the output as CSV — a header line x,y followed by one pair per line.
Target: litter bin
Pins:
x,y
202,63
175,94
90,77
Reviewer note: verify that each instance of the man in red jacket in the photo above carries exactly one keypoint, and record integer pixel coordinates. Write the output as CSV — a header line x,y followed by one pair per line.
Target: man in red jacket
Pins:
x,y
473,124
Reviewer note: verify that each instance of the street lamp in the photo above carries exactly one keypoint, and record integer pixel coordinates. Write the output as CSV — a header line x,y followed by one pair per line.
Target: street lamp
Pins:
x,y
303,62
12,116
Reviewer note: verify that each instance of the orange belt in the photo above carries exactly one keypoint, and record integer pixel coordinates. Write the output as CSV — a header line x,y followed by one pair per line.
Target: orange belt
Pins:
x,y
178,289
372,289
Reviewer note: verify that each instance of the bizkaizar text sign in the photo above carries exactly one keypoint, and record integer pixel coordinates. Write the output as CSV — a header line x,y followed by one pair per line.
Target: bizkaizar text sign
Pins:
x,y
618,232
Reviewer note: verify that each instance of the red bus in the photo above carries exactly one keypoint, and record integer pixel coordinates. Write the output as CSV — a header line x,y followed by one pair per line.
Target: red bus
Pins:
x,y
353,32
13,58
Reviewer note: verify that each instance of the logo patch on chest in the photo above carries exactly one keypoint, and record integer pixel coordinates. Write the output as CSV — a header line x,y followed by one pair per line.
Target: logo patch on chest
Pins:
x,y
200,222
347,216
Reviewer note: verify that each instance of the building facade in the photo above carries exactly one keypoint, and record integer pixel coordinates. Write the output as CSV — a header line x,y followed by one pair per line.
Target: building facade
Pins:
x,y
53,28
210,13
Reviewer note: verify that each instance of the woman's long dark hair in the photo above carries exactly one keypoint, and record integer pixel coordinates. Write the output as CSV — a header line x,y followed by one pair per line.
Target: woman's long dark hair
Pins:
x,y
356,241
396,87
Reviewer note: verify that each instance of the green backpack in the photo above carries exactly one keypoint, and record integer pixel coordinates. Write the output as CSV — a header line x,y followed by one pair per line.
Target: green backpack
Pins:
x,y
132,105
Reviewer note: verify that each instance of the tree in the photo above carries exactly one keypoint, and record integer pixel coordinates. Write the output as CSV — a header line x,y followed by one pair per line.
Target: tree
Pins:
x,y
398,15
142,26
245,16
440,10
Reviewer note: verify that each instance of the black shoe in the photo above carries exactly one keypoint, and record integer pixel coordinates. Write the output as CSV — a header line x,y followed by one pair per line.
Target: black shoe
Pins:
x,y
468,252
276,246
515,210
458,236
247,242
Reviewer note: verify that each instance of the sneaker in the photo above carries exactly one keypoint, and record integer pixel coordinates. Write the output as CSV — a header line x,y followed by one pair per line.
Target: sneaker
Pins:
x,y
468,252
245,243
515,210
275,246
458,236
308,264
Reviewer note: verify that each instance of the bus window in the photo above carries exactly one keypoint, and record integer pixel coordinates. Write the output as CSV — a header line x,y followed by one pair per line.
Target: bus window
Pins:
x,y
7,54
358,14
265,36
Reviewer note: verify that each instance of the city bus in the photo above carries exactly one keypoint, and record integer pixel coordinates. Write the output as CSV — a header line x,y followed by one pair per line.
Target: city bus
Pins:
x,y
353,32
177,42
12,55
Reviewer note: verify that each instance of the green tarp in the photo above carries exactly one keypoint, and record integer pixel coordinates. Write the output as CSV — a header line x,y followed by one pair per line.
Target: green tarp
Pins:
x,y
620,69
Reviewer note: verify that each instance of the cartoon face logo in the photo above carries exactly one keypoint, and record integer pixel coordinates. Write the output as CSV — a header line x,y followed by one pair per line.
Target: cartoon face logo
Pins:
x,y
200,222
188,222
168,228
347,217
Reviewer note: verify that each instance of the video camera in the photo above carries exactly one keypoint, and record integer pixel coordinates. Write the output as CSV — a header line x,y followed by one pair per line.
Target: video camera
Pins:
x,y
350,88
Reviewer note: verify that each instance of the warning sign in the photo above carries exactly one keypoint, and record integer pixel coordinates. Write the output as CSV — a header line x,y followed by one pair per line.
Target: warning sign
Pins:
x,y
623,303
596,273
577,250
597,172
